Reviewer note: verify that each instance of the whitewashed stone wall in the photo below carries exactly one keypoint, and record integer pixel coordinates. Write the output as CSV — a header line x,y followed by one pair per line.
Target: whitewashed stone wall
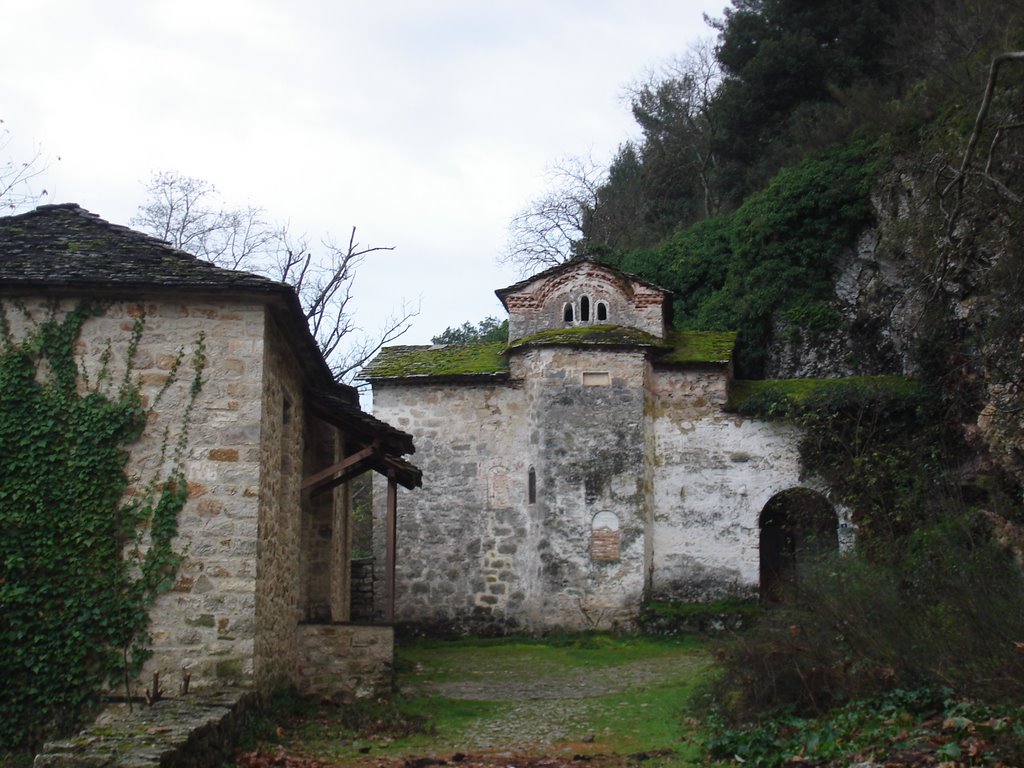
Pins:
x,y
587,446
713,474
645,485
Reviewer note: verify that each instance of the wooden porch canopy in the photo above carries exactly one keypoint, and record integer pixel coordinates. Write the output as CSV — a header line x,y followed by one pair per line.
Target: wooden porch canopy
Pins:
x,y
371,445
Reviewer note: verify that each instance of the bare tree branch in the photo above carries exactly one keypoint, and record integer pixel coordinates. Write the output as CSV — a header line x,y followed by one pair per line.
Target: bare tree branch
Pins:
x,y
189,214
17,176
674,106
550,229
958,183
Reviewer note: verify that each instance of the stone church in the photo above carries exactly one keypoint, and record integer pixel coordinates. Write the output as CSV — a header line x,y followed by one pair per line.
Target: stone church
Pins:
x,y
587,465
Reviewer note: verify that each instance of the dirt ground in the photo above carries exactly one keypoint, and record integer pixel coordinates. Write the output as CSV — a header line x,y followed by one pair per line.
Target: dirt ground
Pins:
x,y
536,712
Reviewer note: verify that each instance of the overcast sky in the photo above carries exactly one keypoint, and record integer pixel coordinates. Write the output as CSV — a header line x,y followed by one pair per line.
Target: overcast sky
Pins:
x,y
427,124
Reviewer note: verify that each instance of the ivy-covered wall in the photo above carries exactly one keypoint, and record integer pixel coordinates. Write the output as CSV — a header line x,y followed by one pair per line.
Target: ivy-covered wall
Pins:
x,y
87,540
135,364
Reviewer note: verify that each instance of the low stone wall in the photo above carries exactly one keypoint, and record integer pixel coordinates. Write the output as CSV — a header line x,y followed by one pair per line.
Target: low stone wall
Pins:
x,y
346,661
196,731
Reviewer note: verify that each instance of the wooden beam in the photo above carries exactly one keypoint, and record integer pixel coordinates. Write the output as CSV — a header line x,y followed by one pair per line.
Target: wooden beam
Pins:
x,y
392,532
334,469
353,471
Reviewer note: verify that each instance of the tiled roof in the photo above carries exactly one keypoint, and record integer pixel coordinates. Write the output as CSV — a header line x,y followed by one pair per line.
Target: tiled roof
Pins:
x,y
67,246
504,293
359,423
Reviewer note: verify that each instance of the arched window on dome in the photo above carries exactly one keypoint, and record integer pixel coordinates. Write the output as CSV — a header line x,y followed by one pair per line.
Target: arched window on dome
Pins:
x,y
602,311
584,309
567,313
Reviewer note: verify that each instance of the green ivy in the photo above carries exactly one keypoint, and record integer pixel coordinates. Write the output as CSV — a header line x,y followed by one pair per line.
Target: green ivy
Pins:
x,y
79,564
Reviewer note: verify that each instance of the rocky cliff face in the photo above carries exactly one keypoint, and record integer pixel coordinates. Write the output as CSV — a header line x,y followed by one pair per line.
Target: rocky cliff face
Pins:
x,y
933,290
877,299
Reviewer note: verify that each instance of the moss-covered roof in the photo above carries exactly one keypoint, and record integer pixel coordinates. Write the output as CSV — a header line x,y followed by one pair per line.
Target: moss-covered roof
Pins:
x,y
699,347
439,362
591,335
490,361
796,390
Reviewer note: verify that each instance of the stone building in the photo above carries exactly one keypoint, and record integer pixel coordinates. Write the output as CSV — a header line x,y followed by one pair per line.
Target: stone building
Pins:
x,y
262,596
586,465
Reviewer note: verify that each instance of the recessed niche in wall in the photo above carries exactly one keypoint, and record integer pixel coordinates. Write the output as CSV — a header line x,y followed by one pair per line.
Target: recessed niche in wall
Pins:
x,y
596,378
605,537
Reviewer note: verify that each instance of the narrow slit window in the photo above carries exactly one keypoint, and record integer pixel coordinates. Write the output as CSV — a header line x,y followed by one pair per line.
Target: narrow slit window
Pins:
x,y
584,309
567,313
602,311
531,486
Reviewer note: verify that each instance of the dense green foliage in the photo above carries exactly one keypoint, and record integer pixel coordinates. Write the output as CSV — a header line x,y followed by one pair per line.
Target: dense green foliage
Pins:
x,y
930,597
775,254
487,330
79,564
783,61
919,723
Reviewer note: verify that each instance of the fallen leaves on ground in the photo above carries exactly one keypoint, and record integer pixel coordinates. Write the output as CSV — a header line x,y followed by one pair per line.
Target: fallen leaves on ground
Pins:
x,y
260,759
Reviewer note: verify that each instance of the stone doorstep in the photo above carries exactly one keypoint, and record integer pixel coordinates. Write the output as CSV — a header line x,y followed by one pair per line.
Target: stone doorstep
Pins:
x,y
195,731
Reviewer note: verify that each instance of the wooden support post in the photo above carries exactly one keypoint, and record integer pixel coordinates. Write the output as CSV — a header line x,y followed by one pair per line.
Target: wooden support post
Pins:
x,y
392,525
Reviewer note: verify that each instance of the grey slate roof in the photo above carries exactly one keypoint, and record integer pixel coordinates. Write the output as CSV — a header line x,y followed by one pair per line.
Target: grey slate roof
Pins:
x,y
67,246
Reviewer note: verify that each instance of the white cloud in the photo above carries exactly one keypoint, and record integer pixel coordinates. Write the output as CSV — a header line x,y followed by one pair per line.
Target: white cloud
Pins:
x,y
426,124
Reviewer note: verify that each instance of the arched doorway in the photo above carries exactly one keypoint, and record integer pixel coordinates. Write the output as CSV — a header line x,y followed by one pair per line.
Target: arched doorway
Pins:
x,y
796,526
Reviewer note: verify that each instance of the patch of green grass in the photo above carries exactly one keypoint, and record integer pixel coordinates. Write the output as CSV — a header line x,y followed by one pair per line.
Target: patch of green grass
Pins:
x,y
469,658
647,721
425,720
727,605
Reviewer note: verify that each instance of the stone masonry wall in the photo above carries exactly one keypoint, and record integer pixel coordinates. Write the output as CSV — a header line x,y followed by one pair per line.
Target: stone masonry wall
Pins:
x,y
461,537
277,607
539,306
713,473
205,623
587,446
644,485
345,661
474,554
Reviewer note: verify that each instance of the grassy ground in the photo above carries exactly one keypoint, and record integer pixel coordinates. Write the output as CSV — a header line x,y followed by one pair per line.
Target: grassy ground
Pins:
x,y
583,696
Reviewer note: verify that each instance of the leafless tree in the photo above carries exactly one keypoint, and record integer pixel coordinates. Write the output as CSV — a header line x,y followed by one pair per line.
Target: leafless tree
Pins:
x,y
551,229
673,105
18,177
1004,127
190,215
